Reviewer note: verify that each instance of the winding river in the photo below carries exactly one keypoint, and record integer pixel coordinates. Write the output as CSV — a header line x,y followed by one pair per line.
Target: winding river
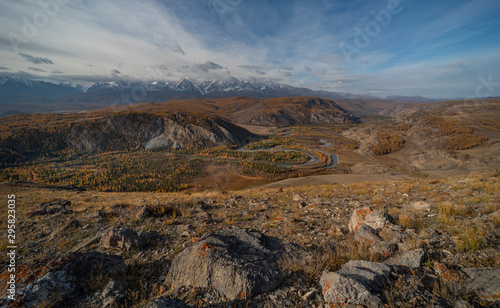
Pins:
x,y
312,159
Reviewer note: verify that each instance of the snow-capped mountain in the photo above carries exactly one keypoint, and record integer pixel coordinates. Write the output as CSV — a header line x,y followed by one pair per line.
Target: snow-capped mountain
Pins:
x,y
26,95
189,87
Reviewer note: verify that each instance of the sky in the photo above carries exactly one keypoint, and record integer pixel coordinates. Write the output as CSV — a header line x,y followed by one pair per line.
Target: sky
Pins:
x,y
437,49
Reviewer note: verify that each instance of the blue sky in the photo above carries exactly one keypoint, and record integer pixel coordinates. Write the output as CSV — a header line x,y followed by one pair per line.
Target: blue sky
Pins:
x,y
439,49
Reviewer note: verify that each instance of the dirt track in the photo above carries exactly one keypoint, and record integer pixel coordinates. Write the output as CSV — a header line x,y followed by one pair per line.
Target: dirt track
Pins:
x,y
335,178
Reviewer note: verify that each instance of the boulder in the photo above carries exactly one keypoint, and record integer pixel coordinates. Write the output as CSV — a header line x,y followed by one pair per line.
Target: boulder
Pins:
x,y
356,283
485,282
413,258
236,262
125,239
385,249
367,235
366,216
392,233
71,279
437,240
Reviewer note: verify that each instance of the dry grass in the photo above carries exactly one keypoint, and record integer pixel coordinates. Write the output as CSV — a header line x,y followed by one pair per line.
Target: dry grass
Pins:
x,y
471,238
400,292
97,280
313,265
411,219
448,209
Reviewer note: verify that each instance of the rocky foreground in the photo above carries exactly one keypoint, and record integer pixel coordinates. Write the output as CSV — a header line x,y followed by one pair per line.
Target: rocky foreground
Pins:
x,y
406,244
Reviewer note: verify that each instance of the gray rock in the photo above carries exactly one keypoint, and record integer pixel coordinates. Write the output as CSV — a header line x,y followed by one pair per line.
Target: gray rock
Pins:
x,y
367,235
236,262
49,211
437,240
60,202
485,282
59,209
463,304
310,296
385,249
420,206
375,219
144,212
109,302
69,281
72,223
371,274
95,214
112,294
125,239
113,289
412,258
165,302
392,233
93,240
356,283
297,197
49,289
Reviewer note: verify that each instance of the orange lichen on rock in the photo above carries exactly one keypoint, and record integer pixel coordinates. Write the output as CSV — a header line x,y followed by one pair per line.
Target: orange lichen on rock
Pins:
x,y
327,286
205,247
362,213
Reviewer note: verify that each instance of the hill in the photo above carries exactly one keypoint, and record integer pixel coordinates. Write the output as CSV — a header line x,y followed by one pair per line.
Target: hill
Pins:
x,y
277,112
103,130
435,138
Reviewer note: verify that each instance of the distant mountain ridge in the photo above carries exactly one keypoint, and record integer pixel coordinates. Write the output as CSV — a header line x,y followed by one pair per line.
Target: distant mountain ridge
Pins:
x,y
209,88
10,86
411,99
18,95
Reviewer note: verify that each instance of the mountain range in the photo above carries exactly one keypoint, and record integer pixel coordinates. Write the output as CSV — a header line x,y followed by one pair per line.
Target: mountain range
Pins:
x,y
18,95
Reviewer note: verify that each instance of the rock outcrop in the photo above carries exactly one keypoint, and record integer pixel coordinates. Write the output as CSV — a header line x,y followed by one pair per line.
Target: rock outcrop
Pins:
x,y
143,130
357,282
67,283
236,262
